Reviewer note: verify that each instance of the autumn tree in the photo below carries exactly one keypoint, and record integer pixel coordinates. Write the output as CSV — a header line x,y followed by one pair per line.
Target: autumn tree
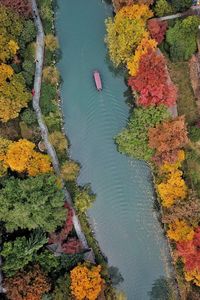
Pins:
x,y
157,29
51,42
22,157
23,7
167,139
13,93
70,170
180,231
118,4
151,81
83,200
133,140
8,48
59,141
25,285
20,252
86,283
142,48
32,203
51,75
125,32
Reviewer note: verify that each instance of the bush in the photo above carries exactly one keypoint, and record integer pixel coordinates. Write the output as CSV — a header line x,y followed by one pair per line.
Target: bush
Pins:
x,y
29,116
194,133
59,141
53,122
51,75
48,94
83,200
70,170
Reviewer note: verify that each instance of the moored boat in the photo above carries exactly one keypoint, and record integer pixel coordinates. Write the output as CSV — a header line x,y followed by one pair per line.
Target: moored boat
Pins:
x,y
97,79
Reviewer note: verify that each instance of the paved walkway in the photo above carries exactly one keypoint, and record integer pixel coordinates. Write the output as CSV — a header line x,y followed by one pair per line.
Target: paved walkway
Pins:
x,y
43,128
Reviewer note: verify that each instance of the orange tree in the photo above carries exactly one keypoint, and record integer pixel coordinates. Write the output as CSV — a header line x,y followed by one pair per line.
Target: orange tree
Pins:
x,y
86,283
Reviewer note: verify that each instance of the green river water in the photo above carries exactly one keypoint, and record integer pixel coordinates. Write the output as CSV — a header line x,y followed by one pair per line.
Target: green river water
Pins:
x,y
123,218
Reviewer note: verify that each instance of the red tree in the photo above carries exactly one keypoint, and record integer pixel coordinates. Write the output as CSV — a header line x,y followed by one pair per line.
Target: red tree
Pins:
x,y
167,139
23,7
152,81
190,252
157,29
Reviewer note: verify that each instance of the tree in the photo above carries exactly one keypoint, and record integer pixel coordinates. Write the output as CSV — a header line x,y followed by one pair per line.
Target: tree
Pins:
x,y
142,48
133,140
157,29
182,37
51,42
125,32
32,203
28,116
13,94
86,283
47,261
181,5
152,82
29,285
70,170
8,48
23,7
167,139
59,141
22,157
162,8
51,75
118,4
48,95
180,231
172,188
83,200
21,251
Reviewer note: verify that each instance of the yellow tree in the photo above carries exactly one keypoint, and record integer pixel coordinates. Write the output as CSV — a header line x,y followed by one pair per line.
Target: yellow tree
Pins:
x,y
8,48
22,157
13,93
126,31
86,283
180,231
193,276
69,170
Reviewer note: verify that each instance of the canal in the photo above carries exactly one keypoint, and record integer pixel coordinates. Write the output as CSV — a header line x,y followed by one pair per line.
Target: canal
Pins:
x,y
123,218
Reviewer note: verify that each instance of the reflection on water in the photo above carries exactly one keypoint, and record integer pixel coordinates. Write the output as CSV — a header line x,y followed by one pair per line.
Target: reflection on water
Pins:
x,y
161,289
124,221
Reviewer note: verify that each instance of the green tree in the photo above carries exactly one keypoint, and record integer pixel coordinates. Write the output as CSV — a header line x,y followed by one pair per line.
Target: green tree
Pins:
x,y
48,94
182,38
47,260
133,140
83,200
181,5
32,203
162,8
29,116
20,252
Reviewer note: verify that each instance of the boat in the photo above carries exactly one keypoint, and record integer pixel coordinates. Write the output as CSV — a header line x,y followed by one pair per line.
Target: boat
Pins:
x,y
97,79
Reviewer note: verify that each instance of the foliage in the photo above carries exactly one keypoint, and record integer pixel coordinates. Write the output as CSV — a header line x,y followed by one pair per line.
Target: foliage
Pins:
x,y
167,139
51,75
62,288
133,140
32,203
70,170
22,157
172,188
51,42
157,29
152,81
162,7
83,200
86,283
53,121
21,251
193,276
8,48
118,4
181,5
29,285
142,48
13,95
4,144
125,32
29,116
59,141
180,231
23,7
47,260
194,133
182,38
48,94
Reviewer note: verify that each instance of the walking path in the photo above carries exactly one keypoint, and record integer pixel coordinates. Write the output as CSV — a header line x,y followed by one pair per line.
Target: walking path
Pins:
x,y
43,128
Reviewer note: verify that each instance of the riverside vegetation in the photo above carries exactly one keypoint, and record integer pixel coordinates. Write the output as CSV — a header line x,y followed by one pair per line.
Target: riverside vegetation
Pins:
x,y
154,133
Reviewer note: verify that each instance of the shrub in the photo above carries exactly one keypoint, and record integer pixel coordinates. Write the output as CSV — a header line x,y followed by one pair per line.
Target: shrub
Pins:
x,y
70,170
48,94
29,116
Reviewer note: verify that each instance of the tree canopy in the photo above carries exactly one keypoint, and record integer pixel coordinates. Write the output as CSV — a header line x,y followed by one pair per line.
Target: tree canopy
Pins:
x,y
32,203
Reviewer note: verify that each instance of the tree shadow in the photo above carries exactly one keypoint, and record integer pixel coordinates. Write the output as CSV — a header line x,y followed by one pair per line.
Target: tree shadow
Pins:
x,y
161,289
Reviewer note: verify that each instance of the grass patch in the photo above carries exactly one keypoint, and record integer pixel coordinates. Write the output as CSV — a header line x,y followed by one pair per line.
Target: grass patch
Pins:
x,y
186,103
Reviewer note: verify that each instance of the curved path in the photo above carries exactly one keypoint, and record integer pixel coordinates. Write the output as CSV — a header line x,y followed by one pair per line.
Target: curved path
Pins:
x,y
39,56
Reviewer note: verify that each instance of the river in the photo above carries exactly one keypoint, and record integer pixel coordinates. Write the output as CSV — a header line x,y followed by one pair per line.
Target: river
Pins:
x,y
123,218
